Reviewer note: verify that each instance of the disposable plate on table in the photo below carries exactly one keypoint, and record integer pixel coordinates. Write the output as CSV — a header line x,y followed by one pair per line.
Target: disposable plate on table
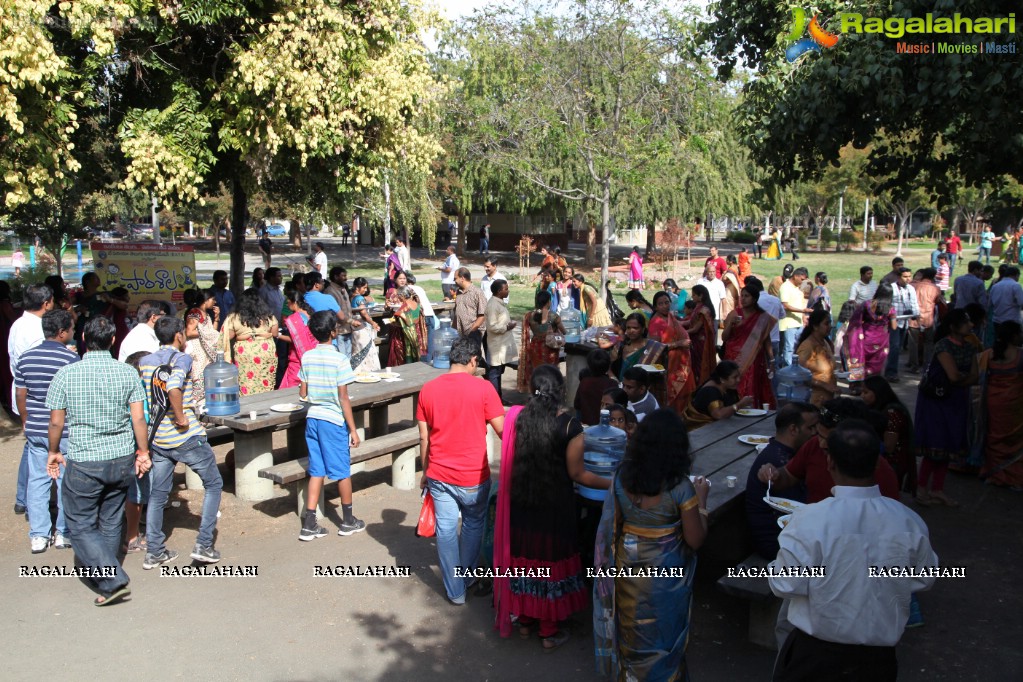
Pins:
x,y
783,504
367,379
753,439
652,368
751,412
286,407
784,521
388,376
693,479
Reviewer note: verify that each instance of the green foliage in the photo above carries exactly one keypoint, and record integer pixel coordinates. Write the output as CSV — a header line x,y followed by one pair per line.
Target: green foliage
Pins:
x,y
742,237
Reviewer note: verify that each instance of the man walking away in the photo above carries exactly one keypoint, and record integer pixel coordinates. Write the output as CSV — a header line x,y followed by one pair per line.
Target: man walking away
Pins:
x,y
453,413
100,400
906,307
848,620
177,437
32,377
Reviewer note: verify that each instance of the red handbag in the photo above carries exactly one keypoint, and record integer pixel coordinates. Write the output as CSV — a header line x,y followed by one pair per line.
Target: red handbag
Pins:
x,y
427,526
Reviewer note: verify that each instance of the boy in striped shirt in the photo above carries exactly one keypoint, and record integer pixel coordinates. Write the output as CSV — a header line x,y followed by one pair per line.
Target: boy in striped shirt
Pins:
x,y
329,426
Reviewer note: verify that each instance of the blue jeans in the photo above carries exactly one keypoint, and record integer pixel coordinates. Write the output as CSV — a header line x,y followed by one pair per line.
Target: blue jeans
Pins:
x,y
20,498
985,253
197,455
952,257
344,344
448,501
93,495
484,246
38,492
895,339
788,346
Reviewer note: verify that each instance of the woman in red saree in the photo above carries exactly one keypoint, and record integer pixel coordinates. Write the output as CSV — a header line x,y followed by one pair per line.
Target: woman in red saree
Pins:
x,y
299,338
667,329
534,351
747,338
702,329
1003,403
745,267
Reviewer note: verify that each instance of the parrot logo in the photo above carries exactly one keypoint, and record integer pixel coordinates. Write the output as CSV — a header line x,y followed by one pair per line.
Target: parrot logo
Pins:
x,y
818,36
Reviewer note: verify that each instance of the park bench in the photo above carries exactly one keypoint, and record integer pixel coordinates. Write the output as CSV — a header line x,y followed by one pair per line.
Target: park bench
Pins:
x,y
402,445
763,605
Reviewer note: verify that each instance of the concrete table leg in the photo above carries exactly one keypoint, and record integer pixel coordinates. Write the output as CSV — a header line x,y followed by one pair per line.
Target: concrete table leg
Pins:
x,y
403,468
493,446
300,496
192,480
253,451
573,364
297,447
378,421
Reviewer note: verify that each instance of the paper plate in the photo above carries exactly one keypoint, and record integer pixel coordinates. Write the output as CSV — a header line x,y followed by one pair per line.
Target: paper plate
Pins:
x,y
784,521
367,379
652,368
286,407
387,376
783,505
750,412
754,439
693,479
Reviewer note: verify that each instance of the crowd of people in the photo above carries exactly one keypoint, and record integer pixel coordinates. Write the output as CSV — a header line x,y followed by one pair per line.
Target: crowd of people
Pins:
x,y
118,402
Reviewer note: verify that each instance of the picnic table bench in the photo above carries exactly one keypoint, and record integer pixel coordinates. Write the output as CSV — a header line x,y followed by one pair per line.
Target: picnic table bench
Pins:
x,y
253,438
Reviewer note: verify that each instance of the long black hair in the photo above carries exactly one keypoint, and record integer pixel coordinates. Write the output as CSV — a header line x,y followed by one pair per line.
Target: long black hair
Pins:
x,y
816,317
298,298
657,456
883,298
251,309
542,298
634,296
705,300
884,396
539,465
1005,335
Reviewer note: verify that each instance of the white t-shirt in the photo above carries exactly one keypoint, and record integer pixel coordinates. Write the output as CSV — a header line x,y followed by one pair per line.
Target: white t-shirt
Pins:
x,y
487,281
320,263
424,302
26,333
142,337
449,276
773,307
716,291
403,258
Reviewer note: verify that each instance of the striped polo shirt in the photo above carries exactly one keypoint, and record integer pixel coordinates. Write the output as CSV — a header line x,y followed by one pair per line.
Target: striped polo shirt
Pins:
x,y
34,372
168,436
323,370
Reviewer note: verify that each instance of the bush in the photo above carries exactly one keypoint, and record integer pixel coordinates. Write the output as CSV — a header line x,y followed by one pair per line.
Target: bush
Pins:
x,y
876,240
827,236
801,240
742,237
850,238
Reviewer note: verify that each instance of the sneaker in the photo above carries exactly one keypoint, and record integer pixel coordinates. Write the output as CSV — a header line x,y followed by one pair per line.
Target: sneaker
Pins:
x,y
61,542
307,534
39,545
19,508
207,555
154,560
355,526
916,618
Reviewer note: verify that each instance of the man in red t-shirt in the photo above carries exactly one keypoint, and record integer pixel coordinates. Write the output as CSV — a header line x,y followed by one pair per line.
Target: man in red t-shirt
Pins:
x,y
955,247
453,413
719,263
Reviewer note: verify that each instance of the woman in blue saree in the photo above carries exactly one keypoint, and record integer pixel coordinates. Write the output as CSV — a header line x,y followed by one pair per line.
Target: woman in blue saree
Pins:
x,y
654,519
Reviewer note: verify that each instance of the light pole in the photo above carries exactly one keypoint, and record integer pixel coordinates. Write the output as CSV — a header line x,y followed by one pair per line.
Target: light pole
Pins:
x,y
841,199
866,213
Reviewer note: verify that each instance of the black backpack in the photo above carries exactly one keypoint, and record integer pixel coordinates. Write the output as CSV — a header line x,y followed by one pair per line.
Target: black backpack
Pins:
x,y
159,396
483,232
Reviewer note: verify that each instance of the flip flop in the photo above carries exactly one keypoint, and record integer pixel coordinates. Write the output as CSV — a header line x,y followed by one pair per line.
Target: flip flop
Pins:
x,y
118,594
554,641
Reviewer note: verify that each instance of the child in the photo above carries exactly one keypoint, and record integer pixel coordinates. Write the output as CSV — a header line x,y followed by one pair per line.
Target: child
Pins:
x,y
943,273
844,315
636,383
625,419
329,426
593,381
138,489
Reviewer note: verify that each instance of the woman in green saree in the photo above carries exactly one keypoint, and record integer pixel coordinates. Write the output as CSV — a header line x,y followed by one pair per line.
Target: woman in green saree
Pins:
x,y
654,520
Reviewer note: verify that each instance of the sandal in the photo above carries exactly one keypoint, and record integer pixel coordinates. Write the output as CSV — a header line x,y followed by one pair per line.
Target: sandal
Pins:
x,y
554,641
117,595
135,546
941,498
924,499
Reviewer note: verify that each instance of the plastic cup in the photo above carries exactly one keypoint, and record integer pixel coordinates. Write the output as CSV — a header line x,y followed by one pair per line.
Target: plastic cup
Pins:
x,y
767,407
730,481
253,415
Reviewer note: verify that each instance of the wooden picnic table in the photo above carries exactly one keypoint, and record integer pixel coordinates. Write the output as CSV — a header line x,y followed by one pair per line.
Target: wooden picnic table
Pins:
x,y
717,453
253,438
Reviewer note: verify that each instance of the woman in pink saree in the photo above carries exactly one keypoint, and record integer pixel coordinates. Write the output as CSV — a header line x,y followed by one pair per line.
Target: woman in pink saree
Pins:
x,y
867,338
747,338
299,338
636,280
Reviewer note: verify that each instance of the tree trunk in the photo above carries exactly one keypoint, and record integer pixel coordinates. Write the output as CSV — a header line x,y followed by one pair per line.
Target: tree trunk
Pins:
x,y
387,211
239,211
651,238
605,219
295,234
900,224
591,242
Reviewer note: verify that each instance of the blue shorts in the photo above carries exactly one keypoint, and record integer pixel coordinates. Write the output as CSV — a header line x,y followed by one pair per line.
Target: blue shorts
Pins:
x,y
139,489
328,449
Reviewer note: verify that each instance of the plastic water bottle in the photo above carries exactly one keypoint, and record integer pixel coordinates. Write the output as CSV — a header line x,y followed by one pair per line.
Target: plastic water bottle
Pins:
x,y
572,320
603,451
222,392
442,342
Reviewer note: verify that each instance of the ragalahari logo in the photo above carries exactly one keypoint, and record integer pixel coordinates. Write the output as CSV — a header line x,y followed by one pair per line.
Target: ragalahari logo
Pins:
x,y
818,36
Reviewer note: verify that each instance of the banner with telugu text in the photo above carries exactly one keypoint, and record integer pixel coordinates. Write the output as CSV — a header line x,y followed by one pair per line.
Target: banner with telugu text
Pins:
x,y
147,271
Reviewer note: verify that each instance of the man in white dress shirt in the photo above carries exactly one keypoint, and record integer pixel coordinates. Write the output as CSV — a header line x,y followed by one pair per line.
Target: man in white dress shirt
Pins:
x,y
27,333
491,276
715,289
320,264
142,336
848,620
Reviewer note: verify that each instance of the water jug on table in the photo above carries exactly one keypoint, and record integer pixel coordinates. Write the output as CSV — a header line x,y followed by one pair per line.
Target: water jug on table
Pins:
x,y
222,391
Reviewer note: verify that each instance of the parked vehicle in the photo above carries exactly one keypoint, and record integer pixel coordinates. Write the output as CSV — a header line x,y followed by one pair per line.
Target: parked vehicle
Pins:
x,y
276,230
